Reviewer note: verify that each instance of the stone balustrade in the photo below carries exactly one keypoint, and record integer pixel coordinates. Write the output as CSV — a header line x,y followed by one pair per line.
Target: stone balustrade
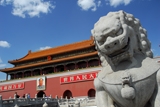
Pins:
x,y
29,102
47,102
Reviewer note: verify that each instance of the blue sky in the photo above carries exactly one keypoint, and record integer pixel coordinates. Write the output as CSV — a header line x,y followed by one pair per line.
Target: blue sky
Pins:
x,y
39,24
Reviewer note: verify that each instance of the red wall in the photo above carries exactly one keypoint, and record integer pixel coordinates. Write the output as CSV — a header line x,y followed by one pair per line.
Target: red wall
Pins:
x,y
78,88
53,87
30,87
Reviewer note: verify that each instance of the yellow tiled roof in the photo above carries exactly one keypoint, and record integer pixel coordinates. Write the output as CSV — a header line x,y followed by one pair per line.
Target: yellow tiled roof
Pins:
x,y
48,62
53,51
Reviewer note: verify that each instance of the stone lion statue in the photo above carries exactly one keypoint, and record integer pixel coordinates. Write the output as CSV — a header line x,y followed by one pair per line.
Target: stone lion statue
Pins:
x,y
130,77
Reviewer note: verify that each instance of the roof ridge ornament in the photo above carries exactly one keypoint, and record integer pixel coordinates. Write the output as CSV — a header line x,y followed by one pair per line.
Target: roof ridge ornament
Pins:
x,y
29,51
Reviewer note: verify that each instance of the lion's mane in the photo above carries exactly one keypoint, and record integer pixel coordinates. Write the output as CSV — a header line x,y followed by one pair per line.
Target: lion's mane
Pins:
x,y
144,45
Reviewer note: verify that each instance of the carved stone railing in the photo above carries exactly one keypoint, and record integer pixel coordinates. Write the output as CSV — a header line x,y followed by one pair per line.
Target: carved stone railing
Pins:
x,y
48,102
77,102
29,102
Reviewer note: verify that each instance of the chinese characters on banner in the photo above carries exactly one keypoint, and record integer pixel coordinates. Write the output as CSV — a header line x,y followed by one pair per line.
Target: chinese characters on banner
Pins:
x,y
12,86
79,77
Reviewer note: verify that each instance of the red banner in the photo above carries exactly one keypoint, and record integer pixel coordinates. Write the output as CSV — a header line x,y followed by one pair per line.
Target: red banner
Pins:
x,y
12,86
79,77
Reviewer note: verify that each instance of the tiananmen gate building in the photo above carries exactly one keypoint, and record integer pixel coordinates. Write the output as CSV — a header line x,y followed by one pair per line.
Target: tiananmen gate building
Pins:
x,y
67,70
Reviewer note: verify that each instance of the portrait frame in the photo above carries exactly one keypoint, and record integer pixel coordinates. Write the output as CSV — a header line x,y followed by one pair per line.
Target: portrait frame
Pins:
x,y
41,83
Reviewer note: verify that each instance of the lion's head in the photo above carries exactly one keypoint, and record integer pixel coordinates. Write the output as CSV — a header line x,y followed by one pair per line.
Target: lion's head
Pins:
x,y
118,36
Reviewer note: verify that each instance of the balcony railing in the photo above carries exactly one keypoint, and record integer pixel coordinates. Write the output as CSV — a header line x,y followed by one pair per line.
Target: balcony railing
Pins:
x,y
48,102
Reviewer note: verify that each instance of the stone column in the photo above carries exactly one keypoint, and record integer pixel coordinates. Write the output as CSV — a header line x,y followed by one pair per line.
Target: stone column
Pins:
x,y
16,105
15,99
36,98
45,105
67,102
77,103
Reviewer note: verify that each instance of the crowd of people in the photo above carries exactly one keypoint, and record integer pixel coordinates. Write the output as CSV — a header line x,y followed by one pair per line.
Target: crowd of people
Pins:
x,y
24,95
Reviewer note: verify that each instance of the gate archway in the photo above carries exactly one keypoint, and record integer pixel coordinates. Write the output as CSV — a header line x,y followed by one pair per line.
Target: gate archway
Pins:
x,y
91,93
67,93
40,94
